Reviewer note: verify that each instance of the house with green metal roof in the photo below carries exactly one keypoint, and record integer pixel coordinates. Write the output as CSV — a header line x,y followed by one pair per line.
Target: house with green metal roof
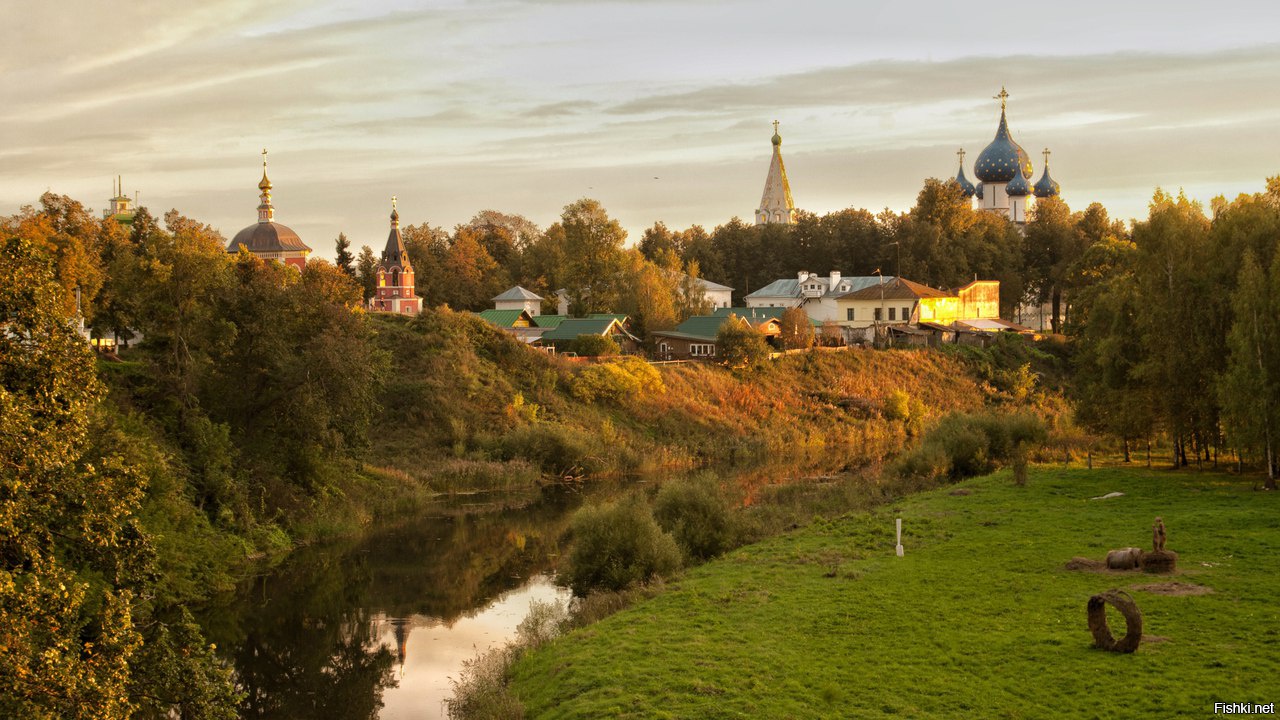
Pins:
x,y
695,338
569,329
549,321
507,318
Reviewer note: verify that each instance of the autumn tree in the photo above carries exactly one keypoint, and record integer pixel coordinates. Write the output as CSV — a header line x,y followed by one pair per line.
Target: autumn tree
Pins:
x,y
797,329
65,231
471,277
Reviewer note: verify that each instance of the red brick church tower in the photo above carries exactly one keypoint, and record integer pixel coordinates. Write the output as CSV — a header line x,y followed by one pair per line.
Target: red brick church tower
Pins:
x,y
395,274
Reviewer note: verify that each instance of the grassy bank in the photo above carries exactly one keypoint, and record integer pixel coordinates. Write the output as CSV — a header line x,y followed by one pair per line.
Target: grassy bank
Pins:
x,y
979,619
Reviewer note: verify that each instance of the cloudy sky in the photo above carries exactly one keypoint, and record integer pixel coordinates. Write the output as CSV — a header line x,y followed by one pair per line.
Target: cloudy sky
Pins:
x,y
661,110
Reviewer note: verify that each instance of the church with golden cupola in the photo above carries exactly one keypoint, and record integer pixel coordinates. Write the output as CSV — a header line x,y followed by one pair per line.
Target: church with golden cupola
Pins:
x,y
1004,171
267,238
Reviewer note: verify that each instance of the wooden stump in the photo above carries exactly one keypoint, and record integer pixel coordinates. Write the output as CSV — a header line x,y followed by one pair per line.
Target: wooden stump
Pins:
x,y
1161,562
1097,610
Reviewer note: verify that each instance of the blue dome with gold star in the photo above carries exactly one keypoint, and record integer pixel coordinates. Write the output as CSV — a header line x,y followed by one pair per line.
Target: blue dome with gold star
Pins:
x,y
1003,158
1018,187
1046,186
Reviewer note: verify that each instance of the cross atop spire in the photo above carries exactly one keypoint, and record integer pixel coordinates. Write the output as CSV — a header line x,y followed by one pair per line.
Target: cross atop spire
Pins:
x,y
960,154
393,202
1046,154
1002,97
264,159
775,127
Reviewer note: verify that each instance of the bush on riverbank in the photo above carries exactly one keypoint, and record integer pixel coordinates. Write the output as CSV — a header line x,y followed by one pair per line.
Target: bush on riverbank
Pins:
x,y
697,515
618,545
967,445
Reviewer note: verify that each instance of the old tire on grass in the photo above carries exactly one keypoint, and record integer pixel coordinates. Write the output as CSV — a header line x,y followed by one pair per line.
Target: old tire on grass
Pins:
x,y
1102,637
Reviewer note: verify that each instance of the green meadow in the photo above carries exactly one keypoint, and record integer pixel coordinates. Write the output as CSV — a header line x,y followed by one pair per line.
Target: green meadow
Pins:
x,y
981,618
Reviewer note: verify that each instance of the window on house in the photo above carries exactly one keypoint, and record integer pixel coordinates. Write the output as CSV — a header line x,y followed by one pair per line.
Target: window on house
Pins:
x,y
892,312
849,314
876,315
906,313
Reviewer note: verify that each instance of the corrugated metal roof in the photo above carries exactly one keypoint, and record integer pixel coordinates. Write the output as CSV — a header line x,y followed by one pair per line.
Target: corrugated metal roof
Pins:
x,y
790,287
895,289
571,328
549,321
754,314
516,293
502,318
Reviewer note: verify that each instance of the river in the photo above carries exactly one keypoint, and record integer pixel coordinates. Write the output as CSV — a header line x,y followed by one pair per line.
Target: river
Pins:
x,y
375,628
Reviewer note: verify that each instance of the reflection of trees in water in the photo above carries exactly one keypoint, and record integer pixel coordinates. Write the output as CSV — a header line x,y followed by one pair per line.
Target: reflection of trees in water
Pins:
x,y
306,638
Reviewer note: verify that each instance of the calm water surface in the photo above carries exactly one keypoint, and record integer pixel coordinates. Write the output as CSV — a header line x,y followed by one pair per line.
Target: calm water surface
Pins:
x,y
375,628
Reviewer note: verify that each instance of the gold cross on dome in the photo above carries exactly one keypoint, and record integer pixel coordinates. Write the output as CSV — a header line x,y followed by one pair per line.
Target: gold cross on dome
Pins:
x,y
960,154
264,158
1001,97
1046,157
775,127
393,202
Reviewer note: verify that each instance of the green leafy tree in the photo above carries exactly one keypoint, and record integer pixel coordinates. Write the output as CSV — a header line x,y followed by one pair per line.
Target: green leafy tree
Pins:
x,y
1181,322
1250,387
73,559
1054,243
594,259
542,266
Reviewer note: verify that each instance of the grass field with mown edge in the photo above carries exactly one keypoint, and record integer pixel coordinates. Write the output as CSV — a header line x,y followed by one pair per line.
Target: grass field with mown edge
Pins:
x,y
980,619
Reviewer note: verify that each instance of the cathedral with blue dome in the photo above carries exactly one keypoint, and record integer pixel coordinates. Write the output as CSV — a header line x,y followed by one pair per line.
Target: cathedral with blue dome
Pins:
x,y
1004,172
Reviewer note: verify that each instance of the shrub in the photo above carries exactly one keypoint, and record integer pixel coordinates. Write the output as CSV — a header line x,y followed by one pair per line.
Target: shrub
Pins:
x,y
553,449
696,515
897,405
624,379
966,445
594,345
480,691
618,545
740,345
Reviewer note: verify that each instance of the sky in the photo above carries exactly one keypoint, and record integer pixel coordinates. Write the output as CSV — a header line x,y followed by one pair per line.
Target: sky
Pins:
x,y
660,110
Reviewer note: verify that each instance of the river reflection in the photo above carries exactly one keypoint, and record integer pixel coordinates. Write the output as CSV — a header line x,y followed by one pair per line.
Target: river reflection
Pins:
x,y
374,629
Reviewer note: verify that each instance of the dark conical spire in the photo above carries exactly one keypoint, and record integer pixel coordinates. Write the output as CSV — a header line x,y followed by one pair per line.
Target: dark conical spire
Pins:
x,y
395,252
965,185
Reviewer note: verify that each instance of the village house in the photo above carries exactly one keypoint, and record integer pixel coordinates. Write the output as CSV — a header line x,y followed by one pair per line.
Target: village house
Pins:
x,y
517,298
695,338
568,329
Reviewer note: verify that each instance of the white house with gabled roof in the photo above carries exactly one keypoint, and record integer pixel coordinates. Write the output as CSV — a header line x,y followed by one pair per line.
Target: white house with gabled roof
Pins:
x,y
517,298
